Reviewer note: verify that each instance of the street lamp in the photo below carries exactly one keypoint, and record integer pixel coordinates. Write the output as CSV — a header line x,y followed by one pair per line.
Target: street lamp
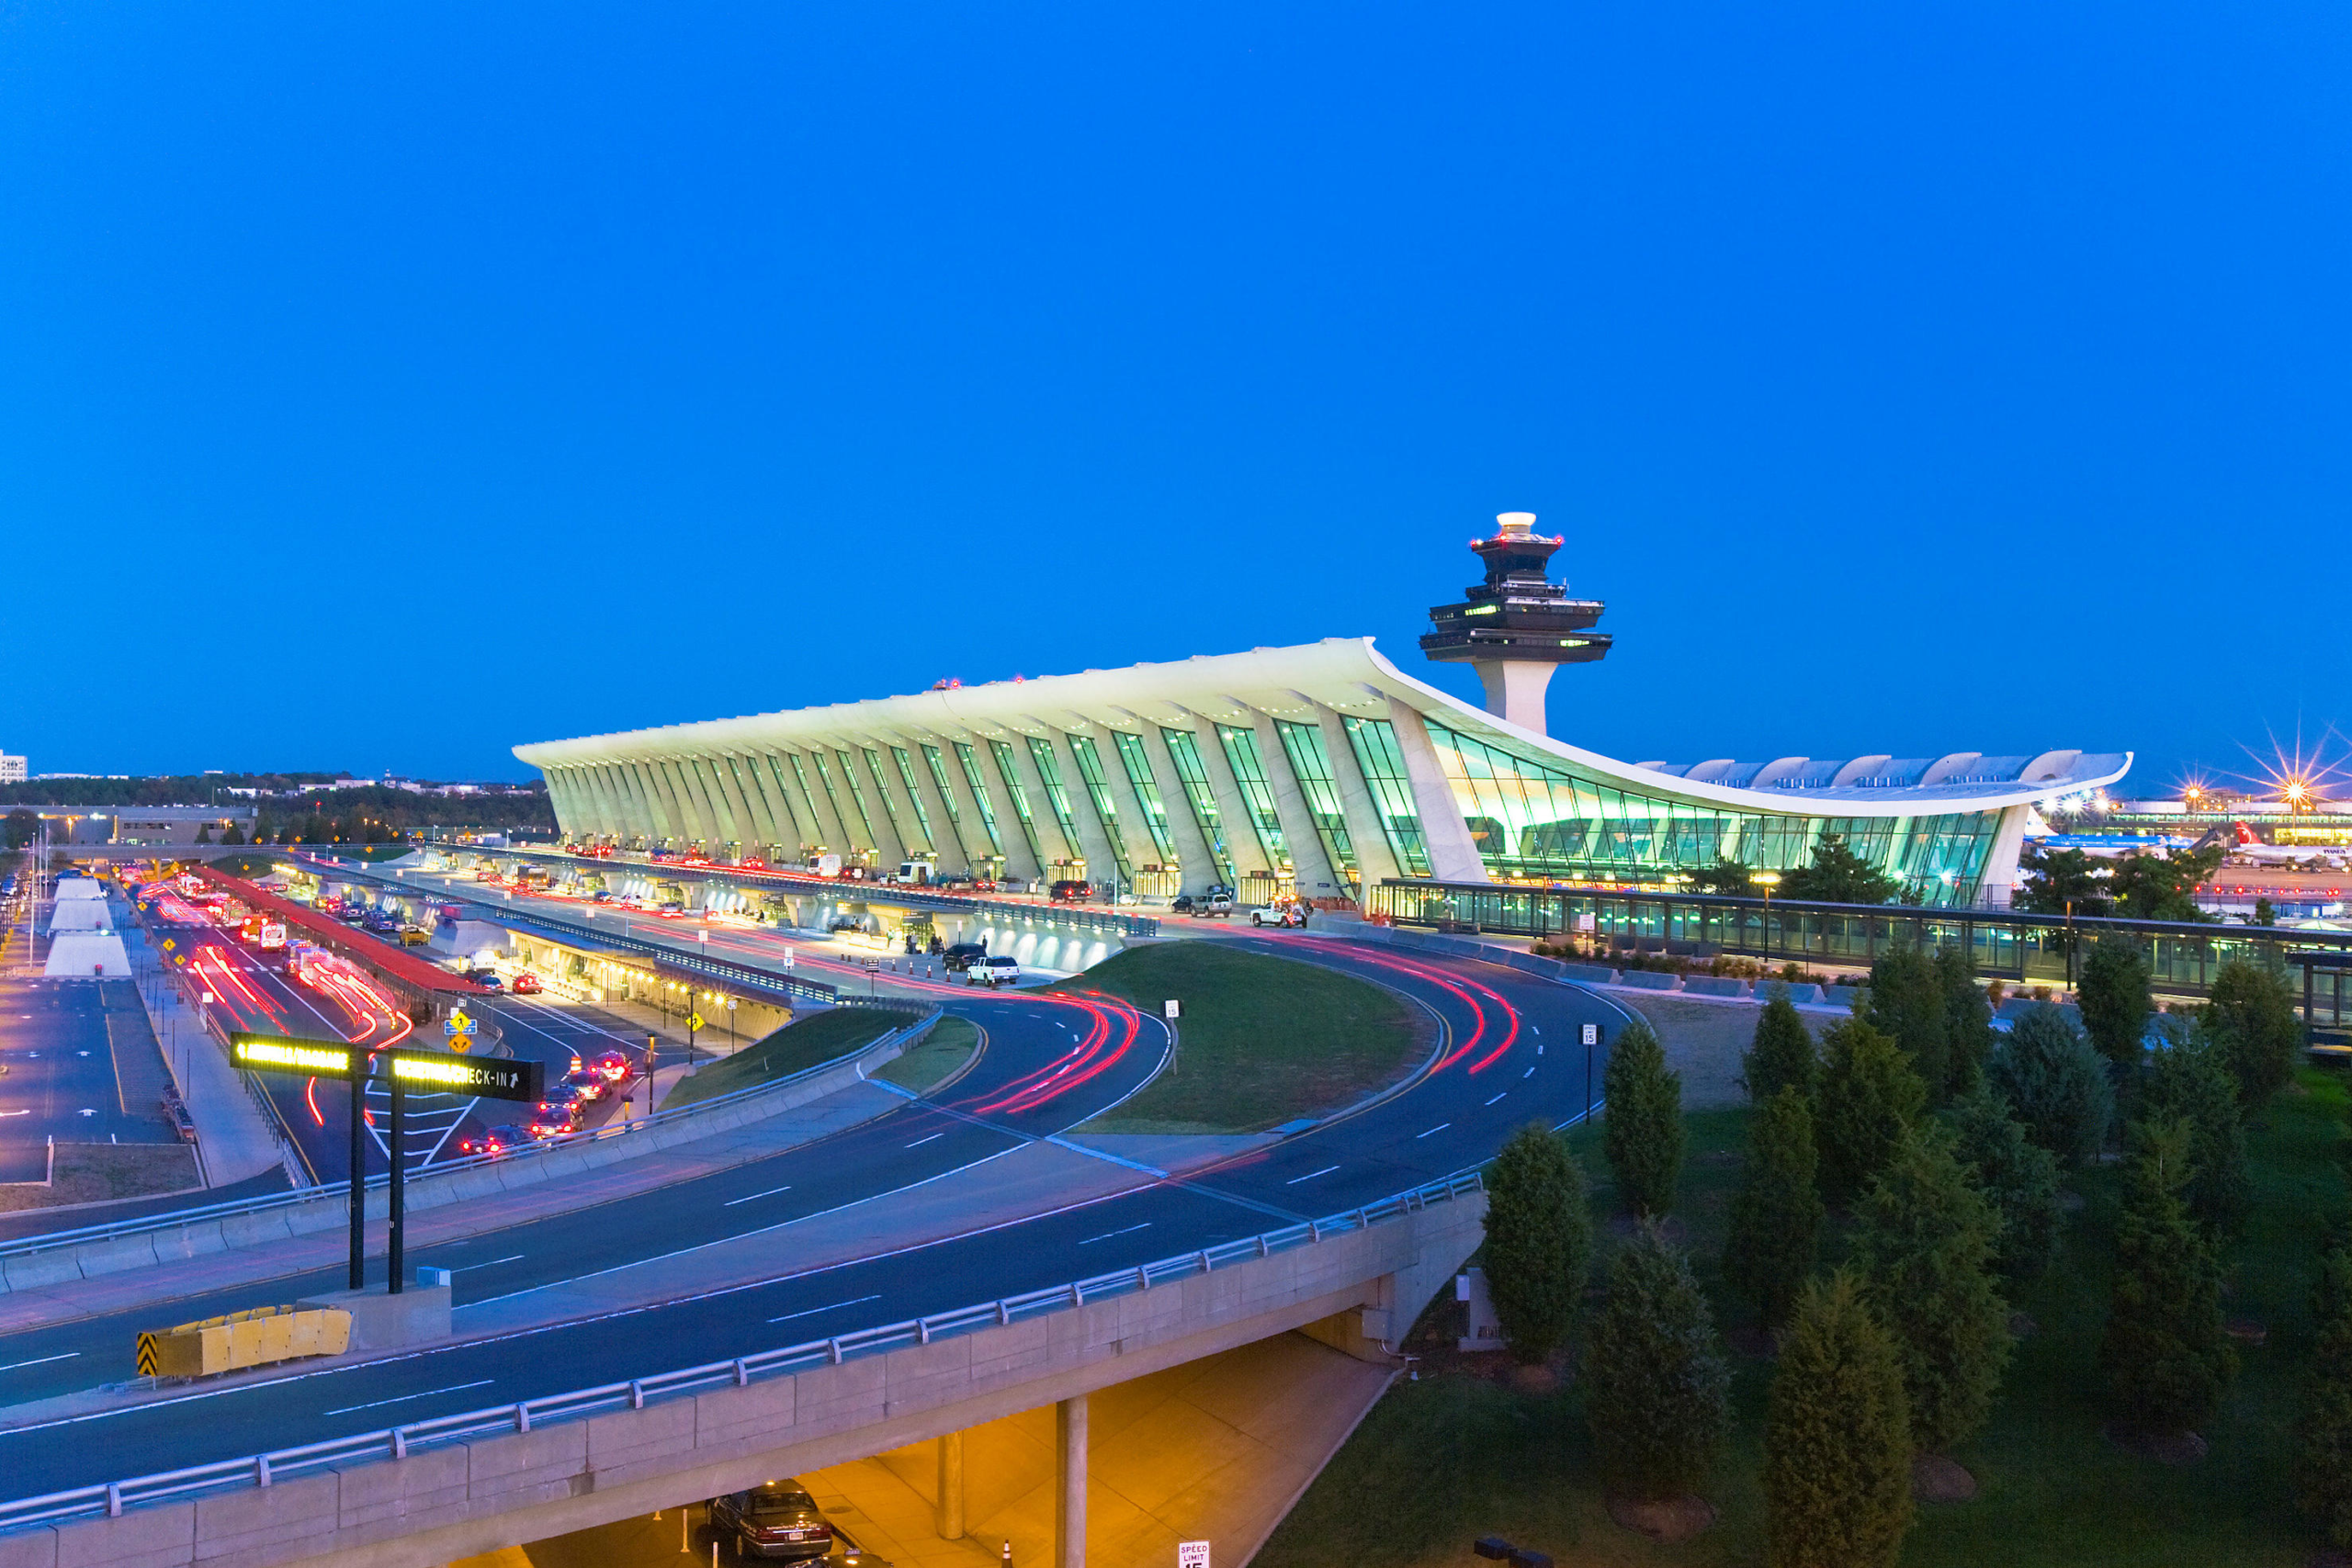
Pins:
x,y
1766,880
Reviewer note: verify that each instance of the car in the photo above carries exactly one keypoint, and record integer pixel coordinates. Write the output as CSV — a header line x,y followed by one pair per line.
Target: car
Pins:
x,y
995,970
414,936
488,979
552,1124
777,1520
602,896
590,1085
962,955
1283,916
615,1065
495,1142
1205,905
845,924
526,985
1072,892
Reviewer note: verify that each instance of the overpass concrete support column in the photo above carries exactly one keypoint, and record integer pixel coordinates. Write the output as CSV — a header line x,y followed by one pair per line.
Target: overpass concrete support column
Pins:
x,y
1069,1497
951,1486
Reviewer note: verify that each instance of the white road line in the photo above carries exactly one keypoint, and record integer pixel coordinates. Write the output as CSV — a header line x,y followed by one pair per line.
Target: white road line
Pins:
x,y
1106,1236
376,1403
920,1142
1529,1073
493,1263
1310,1176
749,1196
1497,1097
40,1360
1532,1029
1439,1128
836,1306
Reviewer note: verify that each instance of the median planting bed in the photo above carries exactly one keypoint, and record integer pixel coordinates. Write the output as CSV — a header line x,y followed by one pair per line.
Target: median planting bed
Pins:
x,y
803,1044
1262,1041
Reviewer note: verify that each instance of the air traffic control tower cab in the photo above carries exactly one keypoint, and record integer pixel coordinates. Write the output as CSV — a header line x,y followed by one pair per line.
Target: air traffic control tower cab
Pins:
x,y
1517,626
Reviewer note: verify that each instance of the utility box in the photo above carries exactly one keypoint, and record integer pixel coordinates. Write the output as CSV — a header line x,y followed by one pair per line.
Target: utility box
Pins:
x,y
1486,1330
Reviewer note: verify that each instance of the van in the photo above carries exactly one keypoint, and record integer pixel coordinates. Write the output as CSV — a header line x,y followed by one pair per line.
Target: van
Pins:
x,y
992,971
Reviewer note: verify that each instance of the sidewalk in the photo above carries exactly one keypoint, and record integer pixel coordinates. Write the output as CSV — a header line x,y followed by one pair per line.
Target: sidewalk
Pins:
x,y
233,1140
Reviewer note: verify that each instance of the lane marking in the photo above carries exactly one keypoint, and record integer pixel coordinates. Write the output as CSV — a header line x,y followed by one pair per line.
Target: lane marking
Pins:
x,y
749,1196
40,1360
1439,1128
491,1264
1106,1236
1310,1176
1529,1073
836,1306
404,1398
920,1142
1497,1097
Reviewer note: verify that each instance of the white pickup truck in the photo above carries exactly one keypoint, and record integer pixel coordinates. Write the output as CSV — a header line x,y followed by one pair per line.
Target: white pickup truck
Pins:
x,y
996,969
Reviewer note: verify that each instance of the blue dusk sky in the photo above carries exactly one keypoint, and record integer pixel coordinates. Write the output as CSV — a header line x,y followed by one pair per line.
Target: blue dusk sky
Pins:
x,y
382,386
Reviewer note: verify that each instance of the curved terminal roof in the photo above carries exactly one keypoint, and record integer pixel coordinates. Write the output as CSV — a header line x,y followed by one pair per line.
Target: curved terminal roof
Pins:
x,y
1350,675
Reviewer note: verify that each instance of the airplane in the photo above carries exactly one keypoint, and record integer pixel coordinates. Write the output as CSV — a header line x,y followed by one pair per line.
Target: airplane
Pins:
x,y
2240,841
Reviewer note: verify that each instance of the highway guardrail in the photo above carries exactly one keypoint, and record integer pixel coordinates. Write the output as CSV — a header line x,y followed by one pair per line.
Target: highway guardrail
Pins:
x,y
109,1499
148,1224
258,1336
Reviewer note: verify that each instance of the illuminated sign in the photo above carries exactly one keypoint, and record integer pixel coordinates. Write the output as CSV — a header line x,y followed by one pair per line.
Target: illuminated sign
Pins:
x,y
428,1072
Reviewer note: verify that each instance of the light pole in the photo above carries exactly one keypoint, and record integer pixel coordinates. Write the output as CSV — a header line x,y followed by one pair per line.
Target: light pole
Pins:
x,y
1766,880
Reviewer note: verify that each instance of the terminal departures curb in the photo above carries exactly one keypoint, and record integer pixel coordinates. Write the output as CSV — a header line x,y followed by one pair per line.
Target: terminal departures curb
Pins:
x,y
1455,1111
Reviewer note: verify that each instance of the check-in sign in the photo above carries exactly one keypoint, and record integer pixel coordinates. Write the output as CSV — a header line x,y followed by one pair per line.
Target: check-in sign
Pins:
x,y
491,1077
308,1058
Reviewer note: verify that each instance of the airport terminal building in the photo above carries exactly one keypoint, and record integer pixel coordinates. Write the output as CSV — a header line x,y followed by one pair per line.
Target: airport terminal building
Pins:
x,y
1315,770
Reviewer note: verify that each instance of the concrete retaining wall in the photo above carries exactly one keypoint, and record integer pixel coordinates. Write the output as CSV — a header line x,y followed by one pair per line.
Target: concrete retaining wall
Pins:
x,y
499,1491
331,1210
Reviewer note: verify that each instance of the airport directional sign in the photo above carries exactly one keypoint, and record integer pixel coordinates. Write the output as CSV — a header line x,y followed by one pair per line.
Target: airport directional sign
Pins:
x,y
427,1072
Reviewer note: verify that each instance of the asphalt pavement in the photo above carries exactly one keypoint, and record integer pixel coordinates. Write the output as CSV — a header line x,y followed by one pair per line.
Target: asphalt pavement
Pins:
x,y
69,1076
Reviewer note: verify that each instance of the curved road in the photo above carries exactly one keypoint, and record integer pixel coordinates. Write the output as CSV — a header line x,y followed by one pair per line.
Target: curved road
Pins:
x,y
1508,1055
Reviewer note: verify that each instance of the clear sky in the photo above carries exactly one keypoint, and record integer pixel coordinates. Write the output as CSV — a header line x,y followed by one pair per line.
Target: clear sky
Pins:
x,y
382,386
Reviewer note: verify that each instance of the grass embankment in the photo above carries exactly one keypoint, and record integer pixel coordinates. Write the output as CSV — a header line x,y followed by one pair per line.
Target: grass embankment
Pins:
x,y
1461,1454
799,1046
944,1052
1262,1041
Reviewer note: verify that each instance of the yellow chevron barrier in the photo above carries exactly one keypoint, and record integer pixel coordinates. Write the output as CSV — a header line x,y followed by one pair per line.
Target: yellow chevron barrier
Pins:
x,y
251,1338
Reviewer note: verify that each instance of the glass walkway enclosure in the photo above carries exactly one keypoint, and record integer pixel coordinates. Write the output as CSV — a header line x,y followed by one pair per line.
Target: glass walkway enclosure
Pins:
x,y
2004,945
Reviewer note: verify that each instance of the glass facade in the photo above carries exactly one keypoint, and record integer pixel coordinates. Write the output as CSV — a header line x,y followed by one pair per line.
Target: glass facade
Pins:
x,y
857,793
1098,790
1041,751
1185,749
1537,821
1249,773
971,766
1311,766
1383,763
807,835
802,774
914,795
1020,798
938,767
1155,811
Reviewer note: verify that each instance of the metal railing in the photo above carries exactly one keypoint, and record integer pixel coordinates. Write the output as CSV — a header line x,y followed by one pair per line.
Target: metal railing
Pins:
x,y
108,1499
609,1131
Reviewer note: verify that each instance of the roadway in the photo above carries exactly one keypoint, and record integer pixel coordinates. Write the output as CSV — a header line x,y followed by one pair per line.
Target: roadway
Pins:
x,y
58,1078
1508,1055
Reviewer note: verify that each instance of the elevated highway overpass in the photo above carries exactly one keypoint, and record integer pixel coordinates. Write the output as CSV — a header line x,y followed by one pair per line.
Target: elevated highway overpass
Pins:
x,y
907,1277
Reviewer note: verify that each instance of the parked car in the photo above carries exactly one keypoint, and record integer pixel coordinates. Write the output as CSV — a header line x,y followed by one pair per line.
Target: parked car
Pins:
x,y
1285,915
488,979
992,970
777,1520
526,985
414,936
961,955
1072,892
1206,905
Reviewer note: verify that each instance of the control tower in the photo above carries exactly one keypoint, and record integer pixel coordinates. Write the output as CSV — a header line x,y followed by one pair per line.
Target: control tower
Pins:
x,y
1518,624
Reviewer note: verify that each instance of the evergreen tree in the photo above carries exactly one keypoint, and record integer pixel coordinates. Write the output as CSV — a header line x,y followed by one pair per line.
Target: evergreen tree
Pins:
x,y
1776,1219
1539,1240
2054,1083
1782,1056
1869,1096
1837,1438
1837,875
2113,996
1642,1131
2018,1178
2322,1472
1925,1249
2165,1355
2251,1009
2189,1083
1658,1387
1968,1020
1907,1005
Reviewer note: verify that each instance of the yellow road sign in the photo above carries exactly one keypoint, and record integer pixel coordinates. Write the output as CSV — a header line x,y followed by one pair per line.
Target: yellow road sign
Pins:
x,y
169,944
461,1043
146,1355
693,1021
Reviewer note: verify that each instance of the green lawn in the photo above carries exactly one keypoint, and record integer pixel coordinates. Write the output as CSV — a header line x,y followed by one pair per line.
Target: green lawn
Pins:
x,y
1457,1455
1262,1040
943,1054
803,1044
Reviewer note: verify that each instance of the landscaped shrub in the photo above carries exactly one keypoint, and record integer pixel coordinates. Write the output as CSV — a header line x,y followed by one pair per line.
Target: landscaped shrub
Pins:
x,y
2165,1355
1776,1218
2189,1082
1643,1130
2324,1430
2055,1084
1869,1098
1781,1054
1907,1005
1837,1438
1657,1389
2113,996
2251,1011
1539,1241
2018,1178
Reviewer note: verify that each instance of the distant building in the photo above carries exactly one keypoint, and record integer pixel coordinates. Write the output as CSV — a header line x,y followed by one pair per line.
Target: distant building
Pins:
x,y
144,824
12,769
